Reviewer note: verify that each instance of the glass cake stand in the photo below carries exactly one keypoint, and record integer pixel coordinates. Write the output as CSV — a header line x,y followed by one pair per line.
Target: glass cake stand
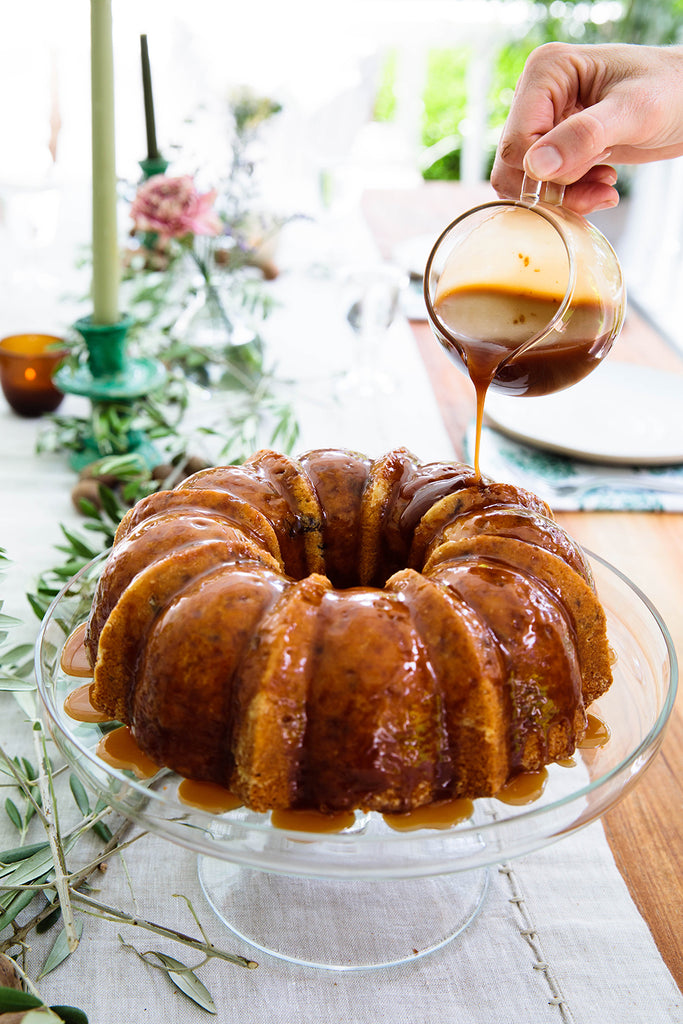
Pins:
x,y
262,880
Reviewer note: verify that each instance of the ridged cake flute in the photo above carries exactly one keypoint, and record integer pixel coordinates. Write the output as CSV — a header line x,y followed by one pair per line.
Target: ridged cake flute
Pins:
x,y
335,632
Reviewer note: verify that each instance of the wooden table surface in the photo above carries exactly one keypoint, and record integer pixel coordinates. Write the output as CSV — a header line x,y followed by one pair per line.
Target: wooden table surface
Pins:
x,y
645,830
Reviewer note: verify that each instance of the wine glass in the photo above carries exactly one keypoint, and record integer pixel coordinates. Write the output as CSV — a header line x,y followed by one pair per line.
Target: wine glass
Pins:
x,y
370,301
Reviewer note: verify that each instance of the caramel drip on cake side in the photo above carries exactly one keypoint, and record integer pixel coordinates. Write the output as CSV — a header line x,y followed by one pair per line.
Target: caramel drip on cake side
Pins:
x,y
74,659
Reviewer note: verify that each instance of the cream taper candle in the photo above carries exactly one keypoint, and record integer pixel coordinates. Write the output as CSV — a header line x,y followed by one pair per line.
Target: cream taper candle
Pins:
x,y
105,248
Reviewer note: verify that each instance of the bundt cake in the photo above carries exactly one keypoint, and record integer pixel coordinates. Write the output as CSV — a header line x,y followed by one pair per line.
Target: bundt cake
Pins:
x,y
335,633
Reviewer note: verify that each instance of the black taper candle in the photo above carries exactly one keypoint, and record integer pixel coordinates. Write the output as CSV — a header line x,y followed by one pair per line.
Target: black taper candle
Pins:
x,y
152,151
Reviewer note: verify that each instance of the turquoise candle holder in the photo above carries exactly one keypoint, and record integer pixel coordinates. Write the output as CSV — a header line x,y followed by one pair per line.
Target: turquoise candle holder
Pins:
x,y
152,165
109,375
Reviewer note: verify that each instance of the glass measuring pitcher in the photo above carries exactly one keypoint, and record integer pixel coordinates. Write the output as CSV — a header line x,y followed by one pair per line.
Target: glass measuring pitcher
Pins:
x,y
524,295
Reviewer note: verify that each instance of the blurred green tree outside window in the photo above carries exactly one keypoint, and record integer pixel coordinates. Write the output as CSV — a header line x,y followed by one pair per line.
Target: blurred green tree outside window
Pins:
x,y
654,22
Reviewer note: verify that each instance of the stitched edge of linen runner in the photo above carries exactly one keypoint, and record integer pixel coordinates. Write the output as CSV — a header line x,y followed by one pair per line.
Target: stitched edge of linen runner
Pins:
x,y
532,938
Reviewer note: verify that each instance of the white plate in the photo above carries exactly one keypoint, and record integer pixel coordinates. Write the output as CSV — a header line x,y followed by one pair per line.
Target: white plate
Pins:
x,y
621,413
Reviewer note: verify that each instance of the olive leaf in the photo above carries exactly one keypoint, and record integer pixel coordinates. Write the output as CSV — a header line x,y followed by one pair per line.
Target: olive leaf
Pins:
x,y
100,828
68,1014
180,974
32,868
13,814
60,950
41,1016
21,853
13,1000
185,979
80,795
46,923
14,683
21,650
76,545
17,664
14,905
16,1001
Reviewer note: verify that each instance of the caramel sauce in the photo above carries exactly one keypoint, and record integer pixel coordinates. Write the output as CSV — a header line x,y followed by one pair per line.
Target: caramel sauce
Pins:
x,y
79,706
74,659
119,749
523,788
442,815
207,796
486,325
597,734
312,821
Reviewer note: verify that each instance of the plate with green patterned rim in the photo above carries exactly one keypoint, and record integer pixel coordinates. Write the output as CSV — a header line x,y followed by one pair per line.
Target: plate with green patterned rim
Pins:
x,y
623,413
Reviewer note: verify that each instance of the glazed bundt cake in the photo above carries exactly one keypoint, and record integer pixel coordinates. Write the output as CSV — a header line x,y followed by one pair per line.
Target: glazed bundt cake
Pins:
x,y
335,633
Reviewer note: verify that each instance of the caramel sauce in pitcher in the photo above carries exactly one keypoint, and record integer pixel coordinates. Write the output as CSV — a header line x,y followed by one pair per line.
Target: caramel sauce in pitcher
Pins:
x,y
519,275
488,324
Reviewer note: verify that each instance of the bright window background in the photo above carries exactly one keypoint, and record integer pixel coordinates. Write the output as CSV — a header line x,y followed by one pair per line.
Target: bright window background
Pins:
x,y
323,62
320,60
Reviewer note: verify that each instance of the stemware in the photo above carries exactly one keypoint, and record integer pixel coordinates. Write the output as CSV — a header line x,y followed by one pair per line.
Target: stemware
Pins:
x,y
370,297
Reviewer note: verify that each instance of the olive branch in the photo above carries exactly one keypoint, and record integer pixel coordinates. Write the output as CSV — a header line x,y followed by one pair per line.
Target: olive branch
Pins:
x,y
35,876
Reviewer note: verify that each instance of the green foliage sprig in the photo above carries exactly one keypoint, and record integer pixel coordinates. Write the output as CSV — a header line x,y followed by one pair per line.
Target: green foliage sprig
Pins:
x,y
220,282
32,875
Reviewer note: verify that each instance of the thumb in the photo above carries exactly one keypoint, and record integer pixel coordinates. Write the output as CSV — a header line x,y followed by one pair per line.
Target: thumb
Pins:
x,y
570,149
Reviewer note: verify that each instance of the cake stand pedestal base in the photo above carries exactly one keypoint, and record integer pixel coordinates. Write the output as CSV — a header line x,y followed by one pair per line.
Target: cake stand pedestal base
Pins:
x,y
342,924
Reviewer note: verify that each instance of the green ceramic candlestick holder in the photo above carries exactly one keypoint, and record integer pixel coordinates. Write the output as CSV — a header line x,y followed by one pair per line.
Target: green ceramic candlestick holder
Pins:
x,y
152,165
110,376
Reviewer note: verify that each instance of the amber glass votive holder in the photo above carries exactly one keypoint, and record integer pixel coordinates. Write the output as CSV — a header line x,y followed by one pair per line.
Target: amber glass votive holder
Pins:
x,y
27,362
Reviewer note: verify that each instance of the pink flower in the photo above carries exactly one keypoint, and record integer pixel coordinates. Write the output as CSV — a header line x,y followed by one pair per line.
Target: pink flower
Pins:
x,y
173,208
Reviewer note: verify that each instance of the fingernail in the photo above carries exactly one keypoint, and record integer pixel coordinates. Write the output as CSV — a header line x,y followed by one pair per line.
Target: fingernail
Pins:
x,y
607,205
543,162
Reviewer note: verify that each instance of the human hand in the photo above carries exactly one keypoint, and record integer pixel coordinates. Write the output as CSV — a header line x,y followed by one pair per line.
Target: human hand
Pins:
x,y
577,107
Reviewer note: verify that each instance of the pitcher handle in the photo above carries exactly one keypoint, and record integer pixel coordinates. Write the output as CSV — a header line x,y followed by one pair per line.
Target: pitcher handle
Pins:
x,y
547,191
